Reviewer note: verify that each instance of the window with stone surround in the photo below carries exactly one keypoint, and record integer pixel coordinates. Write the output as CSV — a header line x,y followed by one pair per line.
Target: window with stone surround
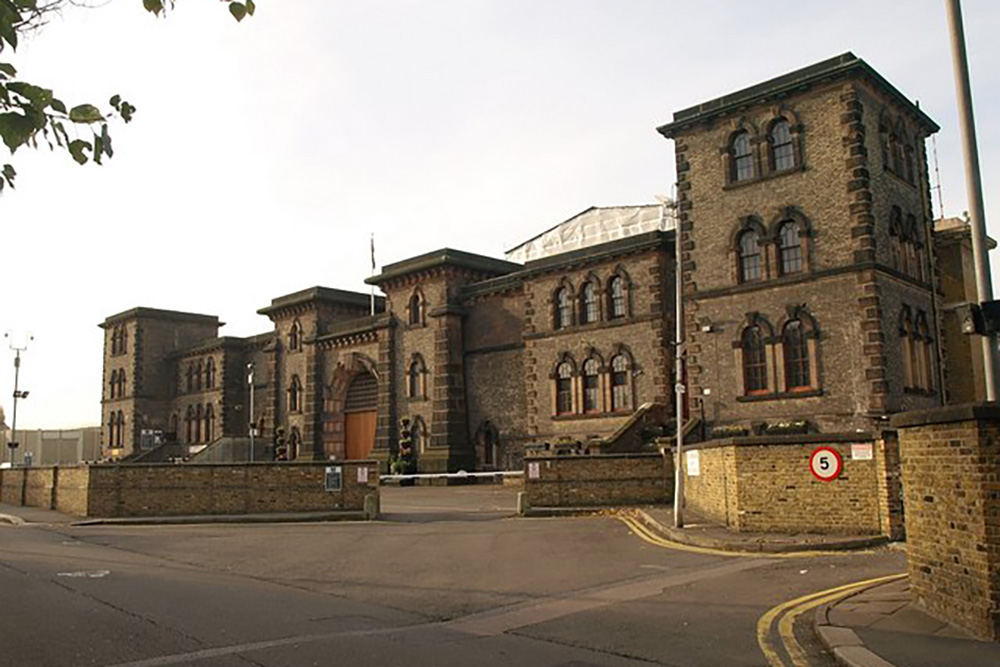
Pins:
x,y
416,383
189,424
198,375
210,373
295,337
418,435
121,383
754,350
926,352
917,350
742,154
209,422
589,310
198,416
112,423
782,146
564,388
563,310
190,377
120,430
114,383
750,260
621,383
591,385
789,247
795,350
617,297
295,395
415,315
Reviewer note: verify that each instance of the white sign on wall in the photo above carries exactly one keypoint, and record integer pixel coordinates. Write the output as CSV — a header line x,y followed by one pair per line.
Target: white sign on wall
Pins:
x,y
533,470
693,463
862,452
362,475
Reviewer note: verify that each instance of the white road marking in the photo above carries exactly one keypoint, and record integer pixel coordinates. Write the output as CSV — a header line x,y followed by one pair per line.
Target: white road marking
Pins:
x,y
94,574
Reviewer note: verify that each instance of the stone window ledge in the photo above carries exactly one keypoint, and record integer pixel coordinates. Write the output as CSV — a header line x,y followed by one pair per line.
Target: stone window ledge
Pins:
x,y
735,185
783,396
590,415
913,391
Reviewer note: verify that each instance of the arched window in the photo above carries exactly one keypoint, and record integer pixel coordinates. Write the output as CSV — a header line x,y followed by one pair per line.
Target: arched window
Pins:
x,y
121,383
210,373
418,435
415,378
796,353
112,423
750,257
742,157
190,377
926,353
564,388
754,361
123,341
295,395
294,444
197,376
588,303
591,386
782,149
416,309
189,424
173,428
910,175
896,239
197,423
617,298
114,340
621,383
209,423
120,431
789,248
907,348
564,308
295,336
114,383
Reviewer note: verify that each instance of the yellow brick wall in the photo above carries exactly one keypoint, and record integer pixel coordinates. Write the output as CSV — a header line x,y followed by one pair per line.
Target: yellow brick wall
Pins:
x,y
604,479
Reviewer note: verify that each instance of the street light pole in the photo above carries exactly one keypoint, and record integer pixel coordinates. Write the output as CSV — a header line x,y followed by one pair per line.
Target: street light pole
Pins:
x,y
973,180
13,444
253,425
679,377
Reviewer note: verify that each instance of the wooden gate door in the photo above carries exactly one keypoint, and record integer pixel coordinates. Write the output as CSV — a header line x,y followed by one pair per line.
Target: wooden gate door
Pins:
x,y
359,416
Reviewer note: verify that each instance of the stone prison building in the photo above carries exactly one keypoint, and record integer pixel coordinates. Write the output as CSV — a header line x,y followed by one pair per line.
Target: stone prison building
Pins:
x,y
818,295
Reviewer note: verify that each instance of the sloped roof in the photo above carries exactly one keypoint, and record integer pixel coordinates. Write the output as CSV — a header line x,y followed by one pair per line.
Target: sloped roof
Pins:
x,y
594,226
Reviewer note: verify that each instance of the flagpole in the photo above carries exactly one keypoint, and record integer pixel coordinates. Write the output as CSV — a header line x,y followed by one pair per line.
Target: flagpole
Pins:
x,y
373,275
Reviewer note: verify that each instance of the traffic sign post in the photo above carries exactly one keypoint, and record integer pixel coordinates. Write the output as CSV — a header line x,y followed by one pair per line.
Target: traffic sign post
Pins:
x,y
826,464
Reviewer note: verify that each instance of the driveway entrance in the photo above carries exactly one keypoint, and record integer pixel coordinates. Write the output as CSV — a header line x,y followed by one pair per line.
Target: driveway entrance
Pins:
x,y
481,502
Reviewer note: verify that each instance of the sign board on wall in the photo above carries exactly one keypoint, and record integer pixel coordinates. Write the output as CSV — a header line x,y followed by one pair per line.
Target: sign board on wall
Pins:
x,y
362,475
825,464
862,452
334,478
693,463
533,470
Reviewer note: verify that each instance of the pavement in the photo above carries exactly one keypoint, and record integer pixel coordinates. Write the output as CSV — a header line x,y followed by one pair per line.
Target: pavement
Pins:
x,y
700,532
881,626
13,514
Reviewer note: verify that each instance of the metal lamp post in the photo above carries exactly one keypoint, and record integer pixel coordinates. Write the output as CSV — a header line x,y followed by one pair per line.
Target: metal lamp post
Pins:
x,y
253,424
13,444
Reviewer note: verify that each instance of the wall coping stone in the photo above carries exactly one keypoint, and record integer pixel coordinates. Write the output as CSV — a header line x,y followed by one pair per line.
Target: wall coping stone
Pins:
x,y
948,414
781,439
588,457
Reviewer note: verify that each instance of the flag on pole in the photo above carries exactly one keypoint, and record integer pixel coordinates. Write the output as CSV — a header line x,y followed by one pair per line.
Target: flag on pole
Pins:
x,y
373,273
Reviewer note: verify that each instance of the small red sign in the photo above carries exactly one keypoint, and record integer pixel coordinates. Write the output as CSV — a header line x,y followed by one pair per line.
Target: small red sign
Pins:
x,y
825,464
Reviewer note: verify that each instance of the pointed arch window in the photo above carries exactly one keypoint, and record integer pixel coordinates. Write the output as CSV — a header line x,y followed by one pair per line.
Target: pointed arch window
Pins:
x,y
617,298
591,386
112,423
790,247
751,264
295,336
114,383
563,308
189,424
120,430
418,435
198,376
295,395
742,157
896,239
906,348
209,423
121,383
198,416
190,377
564,388
621,383
754,361
416,309
782,147
589,312
926,346
416,385
795,349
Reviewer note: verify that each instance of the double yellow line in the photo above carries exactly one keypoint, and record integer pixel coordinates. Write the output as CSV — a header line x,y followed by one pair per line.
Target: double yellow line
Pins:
x,y
795,608
647,535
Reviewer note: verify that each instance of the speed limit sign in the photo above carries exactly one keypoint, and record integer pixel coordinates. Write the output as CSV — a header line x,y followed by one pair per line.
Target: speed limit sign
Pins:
x,y
825,464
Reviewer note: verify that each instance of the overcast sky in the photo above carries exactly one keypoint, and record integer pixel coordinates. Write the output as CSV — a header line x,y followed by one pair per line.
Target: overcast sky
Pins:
x,y
263,154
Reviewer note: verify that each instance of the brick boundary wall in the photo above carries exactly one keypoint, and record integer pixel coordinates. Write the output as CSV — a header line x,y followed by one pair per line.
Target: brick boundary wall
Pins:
x,y
111,490
599,480
951,480
763,484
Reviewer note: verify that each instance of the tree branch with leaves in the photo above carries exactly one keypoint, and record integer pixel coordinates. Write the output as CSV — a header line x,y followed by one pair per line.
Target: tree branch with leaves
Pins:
x,y
31,115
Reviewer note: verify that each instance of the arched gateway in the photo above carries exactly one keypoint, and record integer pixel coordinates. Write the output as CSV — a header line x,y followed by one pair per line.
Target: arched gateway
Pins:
x,y
360,409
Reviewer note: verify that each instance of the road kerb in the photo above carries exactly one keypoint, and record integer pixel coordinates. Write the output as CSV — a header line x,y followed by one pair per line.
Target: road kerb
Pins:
x,y
11,519
844,644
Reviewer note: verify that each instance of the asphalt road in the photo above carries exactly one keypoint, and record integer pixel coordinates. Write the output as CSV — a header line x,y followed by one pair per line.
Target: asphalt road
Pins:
x,y
449,578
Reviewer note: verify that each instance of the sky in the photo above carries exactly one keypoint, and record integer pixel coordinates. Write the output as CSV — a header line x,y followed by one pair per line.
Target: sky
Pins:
x,y
264,154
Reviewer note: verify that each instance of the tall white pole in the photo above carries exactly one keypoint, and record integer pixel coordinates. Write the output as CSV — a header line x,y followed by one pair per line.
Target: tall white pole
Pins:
x,y
679,378
973,181
253,417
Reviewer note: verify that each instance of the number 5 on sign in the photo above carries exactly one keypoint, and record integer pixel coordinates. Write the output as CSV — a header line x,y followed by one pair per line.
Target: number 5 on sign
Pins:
x,y
825,464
